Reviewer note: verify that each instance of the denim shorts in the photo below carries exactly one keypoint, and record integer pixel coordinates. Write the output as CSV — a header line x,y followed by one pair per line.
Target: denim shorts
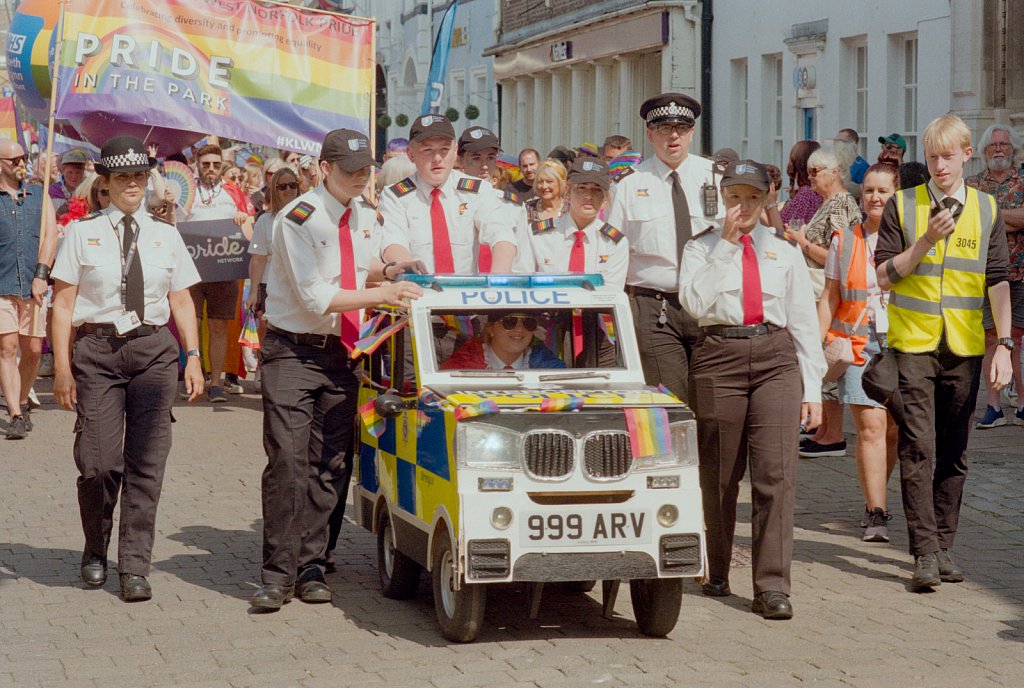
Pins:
x,y
850,389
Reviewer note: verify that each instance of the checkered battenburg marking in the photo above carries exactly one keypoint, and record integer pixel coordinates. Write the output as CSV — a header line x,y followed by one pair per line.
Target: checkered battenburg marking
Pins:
x,y
129,159
670,110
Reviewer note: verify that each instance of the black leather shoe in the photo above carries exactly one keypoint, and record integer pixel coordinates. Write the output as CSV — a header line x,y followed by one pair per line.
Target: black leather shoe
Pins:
x,y
716,587
313,591
135,588
272,596
94,570
949,572
772,605
926,572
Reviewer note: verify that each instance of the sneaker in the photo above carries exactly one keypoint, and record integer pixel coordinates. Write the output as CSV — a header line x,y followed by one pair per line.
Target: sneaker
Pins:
x,y
27,415
877,529
813,450
926,572
949,572
805,433
46,365
16,430
216,395
866,518
231,385
33,400
1018,418
993,418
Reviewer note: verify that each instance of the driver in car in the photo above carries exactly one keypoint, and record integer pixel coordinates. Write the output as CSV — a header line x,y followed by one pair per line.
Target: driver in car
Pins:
x,y
508,343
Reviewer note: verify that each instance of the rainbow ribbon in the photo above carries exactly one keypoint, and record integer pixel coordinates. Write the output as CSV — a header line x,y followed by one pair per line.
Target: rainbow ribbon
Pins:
x,y
367,345
375,425
482,408
369,326
648,431
429,398
549,404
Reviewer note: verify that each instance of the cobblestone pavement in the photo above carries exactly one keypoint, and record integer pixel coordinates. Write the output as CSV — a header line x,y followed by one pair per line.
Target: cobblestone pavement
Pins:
x,y
856,623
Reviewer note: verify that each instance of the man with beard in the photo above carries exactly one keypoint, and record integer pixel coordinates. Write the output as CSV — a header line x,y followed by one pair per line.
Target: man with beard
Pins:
x,y
894,147
1000,178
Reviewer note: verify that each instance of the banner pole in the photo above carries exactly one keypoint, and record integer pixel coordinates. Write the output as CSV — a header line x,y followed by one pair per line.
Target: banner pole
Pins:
x,y
373,100
53,107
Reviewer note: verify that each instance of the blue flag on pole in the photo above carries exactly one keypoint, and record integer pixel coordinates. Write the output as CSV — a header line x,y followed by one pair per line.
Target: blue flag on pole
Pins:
x,y
434,91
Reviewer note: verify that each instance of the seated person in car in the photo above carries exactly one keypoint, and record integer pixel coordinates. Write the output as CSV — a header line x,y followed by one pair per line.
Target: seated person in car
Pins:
x,y
507,344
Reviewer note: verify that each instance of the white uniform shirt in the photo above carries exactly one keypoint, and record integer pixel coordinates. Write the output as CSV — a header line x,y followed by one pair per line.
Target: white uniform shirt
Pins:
x,y
472,218
641,207
211,204
523,262
494,361
90,257
306,271
711,290
603,254
262,235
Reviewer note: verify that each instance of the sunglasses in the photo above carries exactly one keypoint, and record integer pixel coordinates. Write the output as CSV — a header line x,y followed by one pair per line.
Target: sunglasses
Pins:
x,y
288,186
509,322
15,161
210,164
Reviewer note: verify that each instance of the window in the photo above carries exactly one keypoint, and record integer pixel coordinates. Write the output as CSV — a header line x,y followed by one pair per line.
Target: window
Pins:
x,y
740,115
457,95
772,107
910,96
861,80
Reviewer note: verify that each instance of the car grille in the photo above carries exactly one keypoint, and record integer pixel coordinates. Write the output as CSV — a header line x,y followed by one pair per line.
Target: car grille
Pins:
x,y
607,455
549,454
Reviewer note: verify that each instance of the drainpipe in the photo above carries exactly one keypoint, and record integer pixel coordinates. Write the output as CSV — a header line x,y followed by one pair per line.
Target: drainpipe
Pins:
x,y
707,17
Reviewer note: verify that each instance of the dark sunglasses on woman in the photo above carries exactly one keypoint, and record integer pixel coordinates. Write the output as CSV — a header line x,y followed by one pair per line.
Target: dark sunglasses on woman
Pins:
x,y
509,322
290,186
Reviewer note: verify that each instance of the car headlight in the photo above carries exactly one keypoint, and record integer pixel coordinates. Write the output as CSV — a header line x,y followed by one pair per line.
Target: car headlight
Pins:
x,y
482,445
684,448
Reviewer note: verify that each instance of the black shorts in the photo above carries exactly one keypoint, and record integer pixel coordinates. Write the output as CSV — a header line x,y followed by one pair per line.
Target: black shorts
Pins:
x,y
220,299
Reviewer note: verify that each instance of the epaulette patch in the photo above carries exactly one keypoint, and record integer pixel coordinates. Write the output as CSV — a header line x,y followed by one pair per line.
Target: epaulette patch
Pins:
x,y
301,212
469,184
619,175
91,216
160,219
612,233
541,226
784,236
511,196
403,187
706,230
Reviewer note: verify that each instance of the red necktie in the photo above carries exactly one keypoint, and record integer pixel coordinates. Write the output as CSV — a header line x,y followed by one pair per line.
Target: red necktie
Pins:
x,y
753,303
578,256
443,262
349,319
577,263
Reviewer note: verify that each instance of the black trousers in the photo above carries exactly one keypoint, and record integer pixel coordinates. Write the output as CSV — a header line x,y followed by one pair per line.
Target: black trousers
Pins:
x,y
309,405
126,389
746,395
665,348
938,391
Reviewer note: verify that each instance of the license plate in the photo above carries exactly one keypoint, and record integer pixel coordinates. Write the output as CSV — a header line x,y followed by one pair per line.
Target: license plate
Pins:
x,y
584,527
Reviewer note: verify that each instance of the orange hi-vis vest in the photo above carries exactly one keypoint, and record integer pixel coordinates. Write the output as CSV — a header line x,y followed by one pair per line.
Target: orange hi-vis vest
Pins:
x,y
853,288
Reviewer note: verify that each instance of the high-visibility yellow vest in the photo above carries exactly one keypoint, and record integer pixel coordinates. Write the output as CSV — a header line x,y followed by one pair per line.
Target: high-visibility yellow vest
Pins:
x,y
946,290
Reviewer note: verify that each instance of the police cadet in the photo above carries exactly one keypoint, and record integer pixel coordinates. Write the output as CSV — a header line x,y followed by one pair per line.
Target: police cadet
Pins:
x,y
580,241
326,246
440,216
659,205
755,375
478,154
120,274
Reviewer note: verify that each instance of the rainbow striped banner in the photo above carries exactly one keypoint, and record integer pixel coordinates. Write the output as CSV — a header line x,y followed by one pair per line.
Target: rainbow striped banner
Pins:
x,y
482,408
549,404
270,75
375,425
10,128
648,431
369,344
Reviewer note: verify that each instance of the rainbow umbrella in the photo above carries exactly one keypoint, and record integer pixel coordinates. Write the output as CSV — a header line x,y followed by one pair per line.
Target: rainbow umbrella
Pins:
x,y
250,336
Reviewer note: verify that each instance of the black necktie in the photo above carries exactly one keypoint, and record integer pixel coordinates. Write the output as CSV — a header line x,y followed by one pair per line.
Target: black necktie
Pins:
x,y
684,230
953,206
135,299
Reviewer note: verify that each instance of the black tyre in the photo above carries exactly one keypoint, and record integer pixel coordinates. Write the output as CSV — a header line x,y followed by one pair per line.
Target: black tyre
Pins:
x,y
580,586
399,575
656,603
460,613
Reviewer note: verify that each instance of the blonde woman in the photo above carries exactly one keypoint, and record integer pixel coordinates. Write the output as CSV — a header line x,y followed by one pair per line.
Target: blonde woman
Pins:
x,y
551,185
282,190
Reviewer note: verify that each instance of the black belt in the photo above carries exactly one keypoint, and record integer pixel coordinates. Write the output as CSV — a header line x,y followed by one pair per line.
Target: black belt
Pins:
x,y
671,297
107,330
740,331
317,341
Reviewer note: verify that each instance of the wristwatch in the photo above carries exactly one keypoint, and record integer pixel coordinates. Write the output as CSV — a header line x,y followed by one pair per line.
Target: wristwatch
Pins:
x,y
1007,342
193,352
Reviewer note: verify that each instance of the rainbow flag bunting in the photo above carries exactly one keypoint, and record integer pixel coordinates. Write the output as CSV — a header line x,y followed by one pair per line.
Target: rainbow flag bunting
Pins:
x,y
648,431
375,425
250,335
463,324
367,345
429,398
369,326
549,404
482,408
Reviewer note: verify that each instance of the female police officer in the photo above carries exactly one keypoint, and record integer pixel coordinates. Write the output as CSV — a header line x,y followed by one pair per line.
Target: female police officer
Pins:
x,y
120,274
751,294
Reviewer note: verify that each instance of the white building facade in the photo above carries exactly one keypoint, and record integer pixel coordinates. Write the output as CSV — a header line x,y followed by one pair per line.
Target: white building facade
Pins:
x,y
573,71
790,70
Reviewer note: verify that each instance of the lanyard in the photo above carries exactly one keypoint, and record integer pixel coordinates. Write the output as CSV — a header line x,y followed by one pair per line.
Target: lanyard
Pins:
x,y
126,260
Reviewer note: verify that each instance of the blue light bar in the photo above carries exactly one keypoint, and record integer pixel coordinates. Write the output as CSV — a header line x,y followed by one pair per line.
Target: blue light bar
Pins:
x,y
536,281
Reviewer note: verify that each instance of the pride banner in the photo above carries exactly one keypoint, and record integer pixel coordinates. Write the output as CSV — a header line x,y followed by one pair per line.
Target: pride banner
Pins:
x,y
9,125
270,75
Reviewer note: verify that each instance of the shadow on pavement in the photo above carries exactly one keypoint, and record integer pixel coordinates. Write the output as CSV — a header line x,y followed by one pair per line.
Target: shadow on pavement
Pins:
x,y
225,560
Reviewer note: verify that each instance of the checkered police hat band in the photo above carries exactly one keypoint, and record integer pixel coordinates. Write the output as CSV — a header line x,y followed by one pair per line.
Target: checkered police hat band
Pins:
x,y
130,159
670,110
